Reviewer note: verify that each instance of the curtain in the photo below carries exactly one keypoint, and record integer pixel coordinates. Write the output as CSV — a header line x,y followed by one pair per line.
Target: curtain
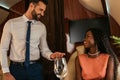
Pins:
x,y
59,27
54,19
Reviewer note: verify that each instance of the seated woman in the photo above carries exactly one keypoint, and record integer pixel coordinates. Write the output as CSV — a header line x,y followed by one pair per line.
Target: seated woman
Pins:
x,y
98,62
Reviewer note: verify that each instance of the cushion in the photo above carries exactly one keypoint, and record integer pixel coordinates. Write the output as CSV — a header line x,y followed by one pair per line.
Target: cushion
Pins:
x,y
80,49
118,75
71,63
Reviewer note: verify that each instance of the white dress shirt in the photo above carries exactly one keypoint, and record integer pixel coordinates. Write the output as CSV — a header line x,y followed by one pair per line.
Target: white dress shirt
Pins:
x,y
14,36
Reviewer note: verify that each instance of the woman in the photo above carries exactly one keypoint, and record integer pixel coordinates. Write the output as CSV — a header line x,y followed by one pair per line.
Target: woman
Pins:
x,y
99,61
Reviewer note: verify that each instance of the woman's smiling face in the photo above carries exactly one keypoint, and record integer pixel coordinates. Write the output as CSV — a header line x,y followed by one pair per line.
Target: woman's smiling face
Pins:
x,y
89,40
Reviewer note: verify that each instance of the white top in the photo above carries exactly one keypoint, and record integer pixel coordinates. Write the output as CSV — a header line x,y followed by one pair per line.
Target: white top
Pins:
x,y
70,46
14,35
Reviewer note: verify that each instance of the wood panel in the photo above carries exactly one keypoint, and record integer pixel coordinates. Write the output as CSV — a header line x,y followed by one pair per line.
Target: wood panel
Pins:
x,y
73,10
115,30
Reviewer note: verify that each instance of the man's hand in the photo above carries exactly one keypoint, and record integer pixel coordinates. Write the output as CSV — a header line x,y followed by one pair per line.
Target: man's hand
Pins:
x,y
8,76
57,55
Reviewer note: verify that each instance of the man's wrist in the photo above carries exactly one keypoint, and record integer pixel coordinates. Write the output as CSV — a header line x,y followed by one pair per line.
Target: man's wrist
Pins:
x,y
5,70
7,73
51,57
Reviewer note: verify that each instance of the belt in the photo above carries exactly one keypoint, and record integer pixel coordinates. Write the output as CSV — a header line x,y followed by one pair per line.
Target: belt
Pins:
x,y
22,63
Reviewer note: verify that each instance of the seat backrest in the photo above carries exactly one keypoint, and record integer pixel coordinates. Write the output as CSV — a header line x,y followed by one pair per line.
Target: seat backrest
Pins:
x,y
71,63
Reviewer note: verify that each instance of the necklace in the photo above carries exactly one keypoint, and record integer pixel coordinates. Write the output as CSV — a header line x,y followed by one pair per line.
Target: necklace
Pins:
x,y
93,55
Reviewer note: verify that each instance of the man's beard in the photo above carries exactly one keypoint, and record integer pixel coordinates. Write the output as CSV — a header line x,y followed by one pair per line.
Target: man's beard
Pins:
x,y
35,16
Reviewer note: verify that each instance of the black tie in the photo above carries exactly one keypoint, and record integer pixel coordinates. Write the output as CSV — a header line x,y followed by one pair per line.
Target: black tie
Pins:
x,y
27,55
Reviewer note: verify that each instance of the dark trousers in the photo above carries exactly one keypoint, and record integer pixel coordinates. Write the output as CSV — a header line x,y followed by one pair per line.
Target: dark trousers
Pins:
x,y
33,72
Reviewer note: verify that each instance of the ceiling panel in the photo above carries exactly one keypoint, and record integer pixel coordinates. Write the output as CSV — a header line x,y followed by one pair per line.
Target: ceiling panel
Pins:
x,y
114,9
93,5
8,3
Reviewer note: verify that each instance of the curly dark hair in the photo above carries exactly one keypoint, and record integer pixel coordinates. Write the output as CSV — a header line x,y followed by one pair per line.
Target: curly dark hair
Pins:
x,y
102,41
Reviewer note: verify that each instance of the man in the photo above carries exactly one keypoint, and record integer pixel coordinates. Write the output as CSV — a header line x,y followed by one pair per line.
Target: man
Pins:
x,y
14,35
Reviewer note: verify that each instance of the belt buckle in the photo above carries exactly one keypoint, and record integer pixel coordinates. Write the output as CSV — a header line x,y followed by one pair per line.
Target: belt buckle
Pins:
x,y
31,62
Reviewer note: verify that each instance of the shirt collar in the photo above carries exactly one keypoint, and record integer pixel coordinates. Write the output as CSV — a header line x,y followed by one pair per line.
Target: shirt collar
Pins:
x,y
26,19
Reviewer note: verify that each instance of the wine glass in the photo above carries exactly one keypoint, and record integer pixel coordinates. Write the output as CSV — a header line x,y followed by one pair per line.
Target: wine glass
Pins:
x,y
60,67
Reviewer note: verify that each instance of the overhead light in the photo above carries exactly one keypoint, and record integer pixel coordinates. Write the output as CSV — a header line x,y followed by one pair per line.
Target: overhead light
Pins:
x,y
4,6
8,3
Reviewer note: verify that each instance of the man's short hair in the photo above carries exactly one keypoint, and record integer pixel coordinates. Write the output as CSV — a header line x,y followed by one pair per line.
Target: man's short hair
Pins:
x,y
36,1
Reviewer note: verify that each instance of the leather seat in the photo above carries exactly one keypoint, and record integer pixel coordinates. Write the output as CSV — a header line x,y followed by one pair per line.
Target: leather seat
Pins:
x,y
71,63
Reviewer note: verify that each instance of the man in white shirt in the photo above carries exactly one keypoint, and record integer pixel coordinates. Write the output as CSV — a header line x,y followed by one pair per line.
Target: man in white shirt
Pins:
x,y
14,35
